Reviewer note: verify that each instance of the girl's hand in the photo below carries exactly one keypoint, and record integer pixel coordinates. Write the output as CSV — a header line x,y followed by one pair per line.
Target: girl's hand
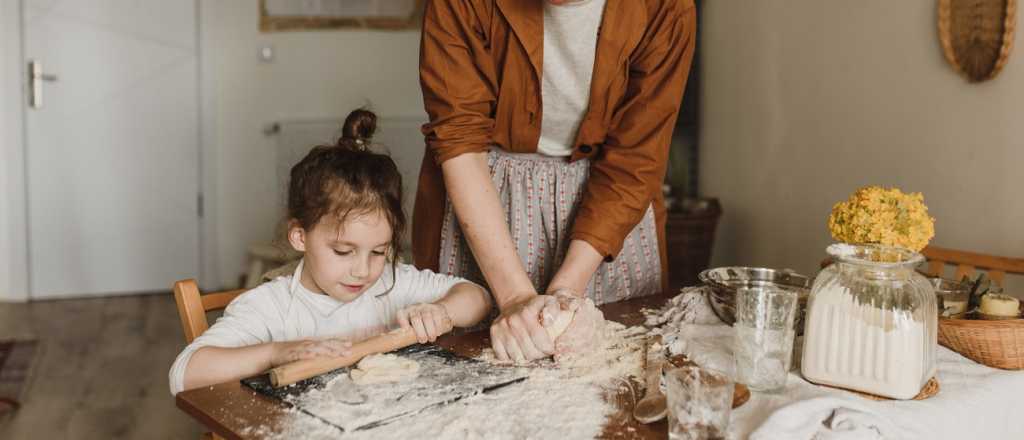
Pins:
x,y
286,352
428,321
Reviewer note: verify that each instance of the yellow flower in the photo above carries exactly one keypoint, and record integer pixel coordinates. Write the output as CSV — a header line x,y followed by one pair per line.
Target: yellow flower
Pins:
x,y
874,214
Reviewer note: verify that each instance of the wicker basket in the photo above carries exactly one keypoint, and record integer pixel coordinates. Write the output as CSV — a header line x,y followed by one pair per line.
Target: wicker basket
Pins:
x,y
998,344
977,35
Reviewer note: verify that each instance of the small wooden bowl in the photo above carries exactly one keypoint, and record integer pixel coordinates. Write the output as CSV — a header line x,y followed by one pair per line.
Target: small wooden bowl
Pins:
x,y
740,396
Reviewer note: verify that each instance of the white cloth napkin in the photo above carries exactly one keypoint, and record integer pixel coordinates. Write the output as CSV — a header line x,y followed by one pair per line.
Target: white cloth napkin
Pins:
x,y
825,418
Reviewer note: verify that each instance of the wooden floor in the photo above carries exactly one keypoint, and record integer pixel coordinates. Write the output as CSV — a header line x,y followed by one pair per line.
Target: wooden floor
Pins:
x,y
102,370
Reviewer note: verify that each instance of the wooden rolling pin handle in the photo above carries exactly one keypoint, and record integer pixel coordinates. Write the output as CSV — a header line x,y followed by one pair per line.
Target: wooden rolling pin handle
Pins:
x,y
299,370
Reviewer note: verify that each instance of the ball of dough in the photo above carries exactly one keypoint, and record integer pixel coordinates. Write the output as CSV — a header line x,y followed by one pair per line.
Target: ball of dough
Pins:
x,y
555,322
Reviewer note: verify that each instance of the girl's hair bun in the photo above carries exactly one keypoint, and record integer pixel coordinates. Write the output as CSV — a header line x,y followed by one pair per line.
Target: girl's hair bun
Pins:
x,y
358,129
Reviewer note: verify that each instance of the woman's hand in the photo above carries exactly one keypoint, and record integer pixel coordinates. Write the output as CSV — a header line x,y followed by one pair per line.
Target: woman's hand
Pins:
x,y
518,334
286,352
428,321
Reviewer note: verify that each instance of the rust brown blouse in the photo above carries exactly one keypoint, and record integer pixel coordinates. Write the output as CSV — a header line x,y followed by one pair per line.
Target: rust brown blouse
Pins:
x,y
480,64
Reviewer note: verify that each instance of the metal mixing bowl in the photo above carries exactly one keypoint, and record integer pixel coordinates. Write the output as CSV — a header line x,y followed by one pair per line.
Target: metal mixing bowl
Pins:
x,y
725,281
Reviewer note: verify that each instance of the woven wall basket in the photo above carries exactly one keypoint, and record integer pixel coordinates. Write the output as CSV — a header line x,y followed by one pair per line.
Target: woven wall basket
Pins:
x,y
977,35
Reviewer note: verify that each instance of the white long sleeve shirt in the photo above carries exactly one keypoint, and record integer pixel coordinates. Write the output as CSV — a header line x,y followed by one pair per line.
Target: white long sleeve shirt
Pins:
x,y
284,310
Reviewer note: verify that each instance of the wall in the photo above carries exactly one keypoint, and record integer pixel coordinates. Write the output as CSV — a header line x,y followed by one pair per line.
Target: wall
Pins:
x,y
803,102
806,100
314,75
13,256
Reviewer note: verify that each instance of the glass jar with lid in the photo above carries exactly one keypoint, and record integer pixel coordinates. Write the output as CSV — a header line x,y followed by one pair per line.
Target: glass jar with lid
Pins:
x,y
871,322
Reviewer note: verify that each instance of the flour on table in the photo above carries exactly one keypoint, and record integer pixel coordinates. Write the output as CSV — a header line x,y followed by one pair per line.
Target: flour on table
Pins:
x,y
690,306
384,368
690,327
564,401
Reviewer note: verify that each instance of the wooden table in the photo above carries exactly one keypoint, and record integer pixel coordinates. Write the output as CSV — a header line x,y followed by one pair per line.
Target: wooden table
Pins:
x,y
232,410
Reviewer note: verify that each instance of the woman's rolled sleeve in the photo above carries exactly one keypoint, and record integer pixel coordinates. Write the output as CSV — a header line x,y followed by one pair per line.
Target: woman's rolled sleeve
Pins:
x,y
458,85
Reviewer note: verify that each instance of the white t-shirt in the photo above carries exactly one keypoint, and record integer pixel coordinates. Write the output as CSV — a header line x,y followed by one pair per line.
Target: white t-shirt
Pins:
x,y
570,41
284,310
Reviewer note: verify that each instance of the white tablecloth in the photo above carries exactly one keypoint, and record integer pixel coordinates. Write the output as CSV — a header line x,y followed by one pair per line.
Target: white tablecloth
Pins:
x,y
975,402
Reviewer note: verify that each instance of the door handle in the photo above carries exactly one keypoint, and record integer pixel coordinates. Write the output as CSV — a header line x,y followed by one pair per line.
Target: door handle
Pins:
x,y
36,77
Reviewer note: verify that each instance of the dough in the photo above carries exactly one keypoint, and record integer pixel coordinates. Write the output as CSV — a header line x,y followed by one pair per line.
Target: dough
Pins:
x,y
584,336
556,322
384,368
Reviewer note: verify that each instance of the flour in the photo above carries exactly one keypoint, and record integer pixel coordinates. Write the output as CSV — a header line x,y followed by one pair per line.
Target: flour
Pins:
x,y
563,401
882,351
690,306
690,327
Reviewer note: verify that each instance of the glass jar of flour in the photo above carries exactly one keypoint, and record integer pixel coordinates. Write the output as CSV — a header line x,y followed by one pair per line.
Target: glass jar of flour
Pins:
x,y
871,322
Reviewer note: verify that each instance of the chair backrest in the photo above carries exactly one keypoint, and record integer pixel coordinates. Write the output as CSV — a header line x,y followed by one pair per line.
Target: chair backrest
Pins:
x,y
968,262
192,306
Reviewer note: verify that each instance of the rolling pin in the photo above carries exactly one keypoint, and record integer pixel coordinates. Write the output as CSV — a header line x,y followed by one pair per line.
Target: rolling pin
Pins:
x,y
290,373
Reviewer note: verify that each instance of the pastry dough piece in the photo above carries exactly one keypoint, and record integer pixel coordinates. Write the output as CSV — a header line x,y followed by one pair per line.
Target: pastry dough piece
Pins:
x,y
556,322
384,368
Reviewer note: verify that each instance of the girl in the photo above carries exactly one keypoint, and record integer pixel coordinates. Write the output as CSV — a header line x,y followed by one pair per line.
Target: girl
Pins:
x,y
345,215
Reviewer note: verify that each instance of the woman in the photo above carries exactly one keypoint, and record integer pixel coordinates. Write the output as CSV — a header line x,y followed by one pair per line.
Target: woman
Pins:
x,y
550,123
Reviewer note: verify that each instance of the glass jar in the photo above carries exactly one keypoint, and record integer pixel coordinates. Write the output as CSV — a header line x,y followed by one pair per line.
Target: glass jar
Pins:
x,y
871,322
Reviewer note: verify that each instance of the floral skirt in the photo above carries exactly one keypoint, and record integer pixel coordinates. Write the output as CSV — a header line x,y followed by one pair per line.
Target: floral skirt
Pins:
x,y
540,195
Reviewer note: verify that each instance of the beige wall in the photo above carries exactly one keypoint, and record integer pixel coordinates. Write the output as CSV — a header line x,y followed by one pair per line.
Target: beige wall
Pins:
x,y
314,75
806,100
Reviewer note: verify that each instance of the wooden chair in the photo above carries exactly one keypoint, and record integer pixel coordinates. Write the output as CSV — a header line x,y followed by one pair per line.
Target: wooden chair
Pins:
x,y
192,308
967,263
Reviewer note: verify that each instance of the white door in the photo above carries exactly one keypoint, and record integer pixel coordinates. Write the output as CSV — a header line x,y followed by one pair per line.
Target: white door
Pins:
x,y
113,152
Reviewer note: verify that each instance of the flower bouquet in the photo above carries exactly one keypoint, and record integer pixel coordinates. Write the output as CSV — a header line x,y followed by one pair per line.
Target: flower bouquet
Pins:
x,y
875,215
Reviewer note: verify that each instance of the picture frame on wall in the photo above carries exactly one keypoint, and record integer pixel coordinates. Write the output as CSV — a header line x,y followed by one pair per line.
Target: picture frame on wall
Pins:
x,y
292,15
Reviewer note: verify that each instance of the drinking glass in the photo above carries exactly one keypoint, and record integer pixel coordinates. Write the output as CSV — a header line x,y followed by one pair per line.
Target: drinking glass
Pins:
x,y
763,347
699,403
